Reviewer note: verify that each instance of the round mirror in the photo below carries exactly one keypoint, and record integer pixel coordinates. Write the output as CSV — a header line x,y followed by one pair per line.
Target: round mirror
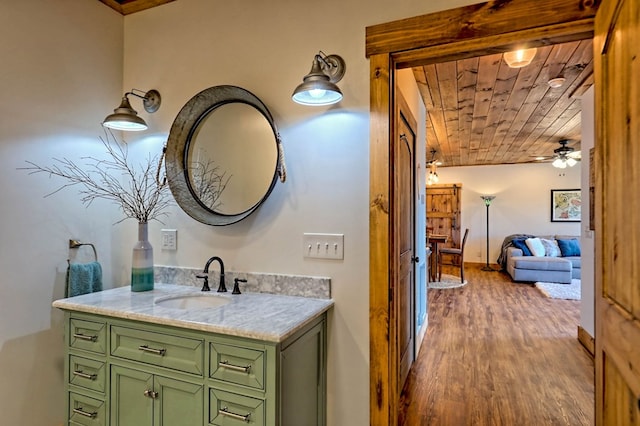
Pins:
x,y
222,155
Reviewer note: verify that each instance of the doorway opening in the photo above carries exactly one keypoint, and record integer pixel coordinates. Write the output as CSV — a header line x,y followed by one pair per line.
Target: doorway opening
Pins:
x,y
449,35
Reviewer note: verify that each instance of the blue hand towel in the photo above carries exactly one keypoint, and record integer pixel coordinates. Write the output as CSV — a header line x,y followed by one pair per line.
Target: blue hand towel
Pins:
x,y
83,278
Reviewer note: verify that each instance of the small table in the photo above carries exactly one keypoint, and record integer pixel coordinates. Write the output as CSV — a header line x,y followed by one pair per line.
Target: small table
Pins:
x,y
434,240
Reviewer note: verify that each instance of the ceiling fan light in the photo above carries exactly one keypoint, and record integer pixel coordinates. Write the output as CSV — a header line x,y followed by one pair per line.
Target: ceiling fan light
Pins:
x,y
520,58
571,162
559,163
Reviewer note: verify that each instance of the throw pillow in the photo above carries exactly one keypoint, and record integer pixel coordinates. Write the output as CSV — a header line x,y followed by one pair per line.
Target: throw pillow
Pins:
x,y
535,246
551,248
519,243
569,247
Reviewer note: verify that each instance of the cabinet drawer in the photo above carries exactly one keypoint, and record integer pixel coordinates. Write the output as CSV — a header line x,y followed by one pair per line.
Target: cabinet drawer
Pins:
x,y
237,365
87,373
86,411
88,335
164,350
227,409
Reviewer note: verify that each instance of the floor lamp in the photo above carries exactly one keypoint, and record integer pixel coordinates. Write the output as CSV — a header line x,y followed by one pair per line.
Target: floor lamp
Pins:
x,y
487,202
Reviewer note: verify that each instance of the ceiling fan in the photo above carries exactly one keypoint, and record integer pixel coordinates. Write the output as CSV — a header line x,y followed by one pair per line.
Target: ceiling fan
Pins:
x,y
564,155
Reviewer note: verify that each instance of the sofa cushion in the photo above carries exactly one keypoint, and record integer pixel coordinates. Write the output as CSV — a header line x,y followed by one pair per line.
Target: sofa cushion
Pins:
x,y
535,246
551,248
544,263
569,247
519,243
575,261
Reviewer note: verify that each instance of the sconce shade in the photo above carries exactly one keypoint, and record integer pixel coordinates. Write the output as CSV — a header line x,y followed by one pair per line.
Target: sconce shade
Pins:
x,y
520,58
319,86
126,118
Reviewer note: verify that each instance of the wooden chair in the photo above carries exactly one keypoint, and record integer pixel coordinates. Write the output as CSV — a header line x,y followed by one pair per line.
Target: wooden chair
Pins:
x,y
457,255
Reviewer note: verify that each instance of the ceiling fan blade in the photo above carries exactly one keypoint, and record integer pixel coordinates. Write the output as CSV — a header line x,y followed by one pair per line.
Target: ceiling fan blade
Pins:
x,y
576,155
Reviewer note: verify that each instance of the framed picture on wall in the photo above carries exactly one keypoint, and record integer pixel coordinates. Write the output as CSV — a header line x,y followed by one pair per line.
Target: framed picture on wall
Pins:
x,y
566,205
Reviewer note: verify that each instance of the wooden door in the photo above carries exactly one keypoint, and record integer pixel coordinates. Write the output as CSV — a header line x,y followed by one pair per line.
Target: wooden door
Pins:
x,y
617,79
443,212
405,225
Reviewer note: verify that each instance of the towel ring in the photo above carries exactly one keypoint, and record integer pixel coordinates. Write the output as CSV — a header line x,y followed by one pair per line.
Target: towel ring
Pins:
x,y
73,244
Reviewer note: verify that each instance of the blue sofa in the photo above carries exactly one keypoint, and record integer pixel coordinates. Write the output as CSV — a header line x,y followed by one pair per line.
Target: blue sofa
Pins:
x,y
529,268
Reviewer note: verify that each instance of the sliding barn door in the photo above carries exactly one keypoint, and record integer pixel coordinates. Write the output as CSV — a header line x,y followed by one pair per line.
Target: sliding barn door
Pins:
x,y
444,210
617,72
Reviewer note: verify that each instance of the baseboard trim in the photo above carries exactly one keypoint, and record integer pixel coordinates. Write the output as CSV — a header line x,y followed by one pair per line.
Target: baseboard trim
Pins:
x,y
587,341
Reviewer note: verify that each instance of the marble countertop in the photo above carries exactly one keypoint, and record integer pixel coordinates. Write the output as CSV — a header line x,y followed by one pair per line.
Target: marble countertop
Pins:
x,y
262,316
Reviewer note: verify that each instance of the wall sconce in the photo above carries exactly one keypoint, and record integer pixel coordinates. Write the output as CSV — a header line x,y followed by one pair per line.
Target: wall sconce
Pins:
x,y
319,86
520,58
126,118
433,177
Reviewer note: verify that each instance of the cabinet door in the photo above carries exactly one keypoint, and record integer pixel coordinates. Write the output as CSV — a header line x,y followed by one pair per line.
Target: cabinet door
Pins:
x,y
178,403
130,405
302,380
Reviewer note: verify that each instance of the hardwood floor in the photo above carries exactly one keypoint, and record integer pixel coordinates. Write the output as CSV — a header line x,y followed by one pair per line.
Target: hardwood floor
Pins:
x,y
499,353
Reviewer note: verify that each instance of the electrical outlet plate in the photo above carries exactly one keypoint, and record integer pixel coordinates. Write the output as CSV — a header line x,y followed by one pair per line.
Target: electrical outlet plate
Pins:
x,y
323,246
169,239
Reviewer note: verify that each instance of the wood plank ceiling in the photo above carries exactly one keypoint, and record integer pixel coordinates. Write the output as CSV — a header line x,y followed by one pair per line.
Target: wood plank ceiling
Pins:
x,y
126,7
480,111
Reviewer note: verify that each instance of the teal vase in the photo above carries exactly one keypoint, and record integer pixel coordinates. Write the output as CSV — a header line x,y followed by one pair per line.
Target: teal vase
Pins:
x,y
142,261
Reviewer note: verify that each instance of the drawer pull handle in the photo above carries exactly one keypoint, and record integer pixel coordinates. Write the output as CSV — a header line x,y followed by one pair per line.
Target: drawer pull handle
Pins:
x,y
224,411
225,364
151,394
84,375
146,348
85,337
84,413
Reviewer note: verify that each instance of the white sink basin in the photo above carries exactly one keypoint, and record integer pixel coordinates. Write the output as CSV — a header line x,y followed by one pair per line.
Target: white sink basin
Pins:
x,y
194,301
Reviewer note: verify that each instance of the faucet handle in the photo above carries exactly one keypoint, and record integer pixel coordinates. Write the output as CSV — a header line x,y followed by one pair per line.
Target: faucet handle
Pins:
x,y
236,287
205,277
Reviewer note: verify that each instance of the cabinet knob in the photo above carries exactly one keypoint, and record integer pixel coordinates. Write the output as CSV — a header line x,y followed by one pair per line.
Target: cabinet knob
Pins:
x,y
151,394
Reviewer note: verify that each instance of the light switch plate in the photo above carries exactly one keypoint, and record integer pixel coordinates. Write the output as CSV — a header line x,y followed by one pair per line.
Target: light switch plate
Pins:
x,y
169,239
323,246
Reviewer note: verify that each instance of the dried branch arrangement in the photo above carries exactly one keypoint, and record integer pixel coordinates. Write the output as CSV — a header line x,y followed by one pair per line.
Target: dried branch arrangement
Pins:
x,y
208,182
140,192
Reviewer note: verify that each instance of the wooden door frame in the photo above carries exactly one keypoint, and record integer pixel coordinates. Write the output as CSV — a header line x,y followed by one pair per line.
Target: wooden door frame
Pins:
x,y
480,29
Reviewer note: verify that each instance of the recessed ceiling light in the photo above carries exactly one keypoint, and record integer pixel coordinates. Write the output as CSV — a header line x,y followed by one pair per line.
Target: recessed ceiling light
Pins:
x,y
556,82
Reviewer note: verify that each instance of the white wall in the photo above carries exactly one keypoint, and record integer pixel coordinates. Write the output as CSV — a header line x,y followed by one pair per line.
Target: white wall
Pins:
x,y
186,46
522,203
61,74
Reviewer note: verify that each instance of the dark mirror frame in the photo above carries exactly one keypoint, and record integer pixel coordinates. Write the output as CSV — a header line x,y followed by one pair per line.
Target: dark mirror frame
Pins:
x,y
183,127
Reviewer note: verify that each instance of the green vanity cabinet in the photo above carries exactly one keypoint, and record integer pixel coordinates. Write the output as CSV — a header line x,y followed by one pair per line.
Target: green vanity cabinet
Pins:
x,y
121,372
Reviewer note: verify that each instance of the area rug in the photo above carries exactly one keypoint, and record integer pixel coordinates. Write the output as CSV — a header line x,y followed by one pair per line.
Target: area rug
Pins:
x,y
448,281
560,291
